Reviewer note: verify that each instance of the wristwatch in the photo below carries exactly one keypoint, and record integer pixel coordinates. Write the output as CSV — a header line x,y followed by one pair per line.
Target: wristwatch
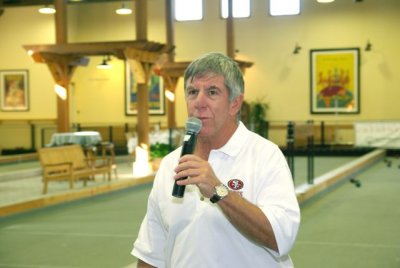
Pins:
x,y
220,192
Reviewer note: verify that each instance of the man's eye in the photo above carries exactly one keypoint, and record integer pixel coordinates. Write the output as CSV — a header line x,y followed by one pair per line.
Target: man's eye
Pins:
x,y
191,92
212,92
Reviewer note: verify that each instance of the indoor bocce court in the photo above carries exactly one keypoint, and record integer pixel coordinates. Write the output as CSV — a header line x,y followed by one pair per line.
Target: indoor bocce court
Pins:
x,y
92,98
343,224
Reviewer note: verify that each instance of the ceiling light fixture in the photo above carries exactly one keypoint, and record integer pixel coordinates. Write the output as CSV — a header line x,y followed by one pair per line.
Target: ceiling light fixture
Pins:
x,y
123,10
47,10
325,1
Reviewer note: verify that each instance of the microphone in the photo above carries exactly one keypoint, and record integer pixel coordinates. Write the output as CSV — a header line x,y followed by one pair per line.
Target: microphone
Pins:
x,y
193,127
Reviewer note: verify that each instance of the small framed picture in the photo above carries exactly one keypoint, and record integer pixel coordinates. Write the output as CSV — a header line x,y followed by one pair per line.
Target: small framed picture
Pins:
x,y
14,90
156,98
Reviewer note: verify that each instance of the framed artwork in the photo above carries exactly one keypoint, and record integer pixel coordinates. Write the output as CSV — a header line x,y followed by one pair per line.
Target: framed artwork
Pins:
x,y
335,81
14,93
155,89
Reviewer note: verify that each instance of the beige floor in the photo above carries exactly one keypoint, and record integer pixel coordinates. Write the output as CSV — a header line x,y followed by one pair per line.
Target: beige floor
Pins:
x,y
21,182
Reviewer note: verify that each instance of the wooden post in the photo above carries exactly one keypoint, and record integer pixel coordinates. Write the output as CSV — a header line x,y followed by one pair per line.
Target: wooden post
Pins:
x,y
61,21
173,81
171,104
170,28
171,114
143,110
62,78
230,38
142,86
61,69
141,19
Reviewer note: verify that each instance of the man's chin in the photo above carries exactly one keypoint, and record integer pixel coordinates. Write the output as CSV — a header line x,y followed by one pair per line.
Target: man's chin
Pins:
x,y
204,134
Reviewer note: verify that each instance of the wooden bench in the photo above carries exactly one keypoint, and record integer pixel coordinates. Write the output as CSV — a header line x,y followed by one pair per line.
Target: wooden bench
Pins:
x,y
70,163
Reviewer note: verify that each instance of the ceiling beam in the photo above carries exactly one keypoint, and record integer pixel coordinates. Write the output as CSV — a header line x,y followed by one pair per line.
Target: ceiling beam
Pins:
x,y
97,49
20,3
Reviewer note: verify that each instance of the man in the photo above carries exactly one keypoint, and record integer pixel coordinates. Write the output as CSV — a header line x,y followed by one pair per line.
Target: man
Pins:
x,y
239,207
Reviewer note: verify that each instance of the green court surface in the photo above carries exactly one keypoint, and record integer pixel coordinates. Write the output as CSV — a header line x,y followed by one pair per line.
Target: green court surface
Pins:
x,y
322,164
95,232
347,227
352,227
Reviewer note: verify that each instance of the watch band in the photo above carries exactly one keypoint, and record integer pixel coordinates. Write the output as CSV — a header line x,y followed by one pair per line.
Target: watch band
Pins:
x,y
220,192
215,198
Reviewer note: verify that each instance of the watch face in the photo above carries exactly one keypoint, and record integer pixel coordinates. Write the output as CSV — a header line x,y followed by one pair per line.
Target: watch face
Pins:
x,y
221,190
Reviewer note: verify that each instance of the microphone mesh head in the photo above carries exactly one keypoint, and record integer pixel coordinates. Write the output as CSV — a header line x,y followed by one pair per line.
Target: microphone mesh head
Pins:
x,y
193,124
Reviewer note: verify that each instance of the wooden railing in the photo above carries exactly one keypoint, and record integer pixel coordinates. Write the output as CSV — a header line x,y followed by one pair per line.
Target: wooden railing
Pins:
x,y
26,136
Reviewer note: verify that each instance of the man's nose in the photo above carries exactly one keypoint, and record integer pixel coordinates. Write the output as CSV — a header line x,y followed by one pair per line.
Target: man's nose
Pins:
x,y
200,99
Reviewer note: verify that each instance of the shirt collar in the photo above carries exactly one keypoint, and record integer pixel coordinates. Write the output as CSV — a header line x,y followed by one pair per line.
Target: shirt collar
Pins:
x,y
235,143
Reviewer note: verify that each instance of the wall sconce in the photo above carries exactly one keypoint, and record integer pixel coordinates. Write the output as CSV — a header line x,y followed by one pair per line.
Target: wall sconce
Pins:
x,y
368,46
123,10
296,49
170,95
104,64
60,91
47,10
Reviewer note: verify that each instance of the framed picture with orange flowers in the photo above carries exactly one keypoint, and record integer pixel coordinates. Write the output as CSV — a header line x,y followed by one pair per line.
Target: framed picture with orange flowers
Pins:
x,y
335,81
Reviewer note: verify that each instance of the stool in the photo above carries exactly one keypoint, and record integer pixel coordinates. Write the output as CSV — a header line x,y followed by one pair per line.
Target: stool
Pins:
x,y
90,153
108,147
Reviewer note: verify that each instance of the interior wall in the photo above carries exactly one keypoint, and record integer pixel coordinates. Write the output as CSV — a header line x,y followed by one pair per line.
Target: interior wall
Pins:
x,y
106,88
282,78
278,76
18,27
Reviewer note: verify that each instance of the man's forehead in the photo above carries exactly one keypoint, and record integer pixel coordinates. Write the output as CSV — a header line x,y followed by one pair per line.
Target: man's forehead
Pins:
x,y
205,76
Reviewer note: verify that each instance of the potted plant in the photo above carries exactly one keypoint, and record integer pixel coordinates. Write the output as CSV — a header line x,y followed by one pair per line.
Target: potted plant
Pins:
x,y
157,152
258,114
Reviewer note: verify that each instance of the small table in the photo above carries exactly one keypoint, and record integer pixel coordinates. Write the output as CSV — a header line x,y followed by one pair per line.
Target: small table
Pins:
x,y
84,138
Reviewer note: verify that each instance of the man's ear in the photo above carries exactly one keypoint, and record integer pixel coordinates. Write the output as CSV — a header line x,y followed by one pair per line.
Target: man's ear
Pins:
x,y
236,104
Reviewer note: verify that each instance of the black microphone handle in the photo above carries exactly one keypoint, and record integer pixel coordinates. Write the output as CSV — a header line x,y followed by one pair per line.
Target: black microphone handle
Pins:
x,y
187,148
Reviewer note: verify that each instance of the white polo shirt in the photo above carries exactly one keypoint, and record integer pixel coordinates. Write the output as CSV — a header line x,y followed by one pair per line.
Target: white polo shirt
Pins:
x,y
193,232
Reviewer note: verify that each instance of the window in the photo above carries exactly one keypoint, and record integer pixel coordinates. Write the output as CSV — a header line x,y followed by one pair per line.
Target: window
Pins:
x,y
186,10
284,7
240,8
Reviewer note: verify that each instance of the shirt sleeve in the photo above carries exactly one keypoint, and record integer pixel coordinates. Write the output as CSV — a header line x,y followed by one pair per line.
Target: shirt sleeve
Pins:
x,y
279,203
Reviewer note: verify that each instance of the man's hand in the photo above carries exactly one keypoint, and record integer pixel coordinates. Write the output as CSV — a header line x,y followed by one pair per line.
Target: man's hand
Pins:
x,y
198,172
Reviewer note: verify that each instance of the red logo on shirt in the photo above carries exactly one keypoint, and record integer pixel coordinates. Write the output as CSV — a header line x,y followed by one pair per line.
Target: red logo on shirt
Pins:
x,y
235,184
